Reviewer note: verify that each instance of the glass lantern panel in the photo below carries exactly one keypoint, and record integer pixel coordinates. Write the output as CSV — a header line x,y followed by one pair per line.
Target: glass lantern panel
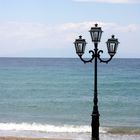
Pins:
x,y
77,47
112,47
95,36
100,34
80,47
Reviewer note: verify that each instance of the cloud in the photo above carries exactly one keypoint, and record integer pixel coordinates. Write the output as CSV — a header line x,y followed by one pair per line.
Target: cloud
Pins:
x,y
18,37
129,28
36,39
111,1
23,30
83,26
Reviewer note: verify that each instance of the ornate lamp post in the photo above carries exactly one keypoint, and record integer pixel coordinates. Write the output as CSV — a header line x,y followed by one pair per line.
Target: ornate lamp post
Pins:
x,y
80,44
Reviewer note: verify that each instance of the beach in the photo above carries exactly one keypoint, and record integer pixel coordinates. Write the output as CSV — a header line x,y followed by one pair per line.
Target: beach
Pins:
x,y
102,137
19,138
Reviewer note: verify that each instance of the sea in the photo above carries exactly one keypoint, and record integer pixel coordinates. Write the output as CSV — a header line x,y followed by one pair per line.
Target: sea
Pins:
x,y
53,98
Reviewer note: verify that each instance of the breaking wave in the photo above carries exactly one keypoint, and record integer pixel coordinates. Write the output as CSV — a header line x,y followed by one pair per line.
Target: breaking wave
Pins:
x,y
47,127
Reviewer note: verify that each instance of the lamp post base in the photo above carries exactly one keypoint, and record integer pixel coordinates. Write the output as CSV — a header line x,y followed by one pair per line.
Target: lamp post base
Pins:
x,y
95,126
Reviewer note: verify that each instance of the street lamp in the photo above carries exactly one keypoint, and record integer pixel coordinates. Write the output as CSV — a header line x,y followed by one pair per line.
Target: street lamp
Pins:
x,y
80,44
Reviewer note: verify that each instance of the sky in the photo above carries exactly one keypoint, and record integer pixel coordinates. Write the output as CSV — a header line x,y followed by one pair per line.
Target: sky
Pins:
x,y
48,28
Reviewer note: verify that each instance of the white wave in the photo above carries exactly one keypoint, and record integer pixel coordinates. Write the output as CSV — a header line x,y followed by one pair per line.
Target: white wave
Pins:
x,y
47,127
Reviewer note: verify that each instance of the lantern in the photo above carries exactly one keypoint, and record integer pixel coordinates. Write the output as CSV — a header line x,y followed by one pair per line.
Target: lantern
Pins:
x,y
80,45
112,45
96,33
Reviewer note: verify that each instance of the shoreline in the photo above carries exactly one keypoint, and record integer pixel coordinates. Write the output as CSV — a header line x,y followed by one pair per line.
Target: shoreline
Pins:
x,y
82,137
25,138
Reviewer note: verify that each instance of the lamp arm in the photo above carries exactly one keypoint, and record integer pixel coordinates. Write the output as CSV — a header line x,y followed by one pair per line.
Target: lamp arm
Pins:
x,y
101,60
90,60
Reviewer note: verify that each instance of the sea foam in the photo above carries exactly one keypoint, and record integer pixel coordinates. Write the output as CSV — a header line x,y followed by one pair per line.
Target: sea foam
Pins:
x,y
47,127
75,132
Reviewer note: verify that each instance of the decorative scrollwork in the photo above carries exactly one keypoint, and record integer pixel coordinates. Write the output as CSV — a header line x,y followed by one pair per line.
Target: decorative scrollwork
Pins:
x,y
90,60
101,60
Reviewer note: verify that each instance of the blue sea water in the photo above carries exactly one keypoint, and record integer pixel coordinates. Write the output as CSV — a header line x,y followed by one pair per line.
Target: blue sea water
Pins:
x,y
54,95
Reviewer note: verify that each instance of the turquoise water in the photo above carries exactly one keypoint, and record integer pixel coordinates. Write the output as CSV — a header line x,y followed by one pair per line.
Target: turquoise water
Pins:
x,y
55,95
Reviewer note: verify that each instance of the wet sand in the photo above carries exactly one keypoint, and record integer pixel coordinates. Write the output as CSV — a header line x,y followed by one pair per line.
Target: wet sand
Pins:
x,y
19,138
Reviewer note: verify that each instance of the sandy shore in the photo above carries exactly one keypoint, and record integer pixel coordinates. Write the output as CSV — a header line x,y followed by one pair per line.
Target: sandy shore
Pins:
x,y
17,138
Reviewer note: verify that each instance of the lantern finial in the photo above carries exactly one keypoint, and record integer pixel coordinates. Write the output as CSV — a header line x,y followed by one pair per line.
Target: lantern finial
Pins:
x,y
113,36
96,25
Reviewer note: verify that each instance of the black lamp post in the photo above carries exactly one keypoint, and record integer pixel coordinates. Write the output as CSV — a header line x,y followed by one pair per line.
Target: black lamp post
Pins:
x,y
80,44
